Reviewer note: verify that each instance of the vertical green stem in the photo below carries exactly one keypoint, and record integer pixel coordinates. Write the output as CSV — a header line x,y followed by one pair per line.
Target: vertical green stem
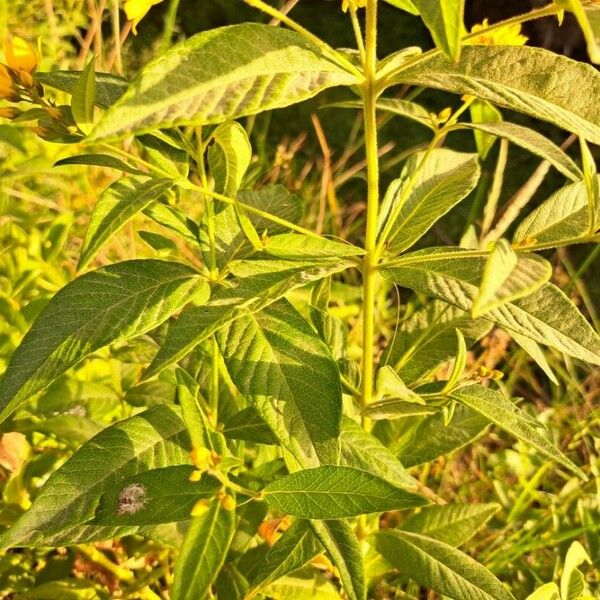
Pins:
x,y
370,258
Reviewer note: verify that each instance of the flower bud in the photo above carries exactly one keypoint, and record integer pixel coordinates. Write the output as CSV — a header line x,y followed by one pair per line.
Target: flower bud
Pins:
x,y
7,86
26,79
20,54
9,112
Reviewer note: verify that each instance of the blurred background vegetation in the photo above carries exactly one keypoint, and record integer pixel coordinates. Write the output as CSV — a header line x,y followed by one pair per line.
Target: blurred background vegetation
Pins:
x,y
314,151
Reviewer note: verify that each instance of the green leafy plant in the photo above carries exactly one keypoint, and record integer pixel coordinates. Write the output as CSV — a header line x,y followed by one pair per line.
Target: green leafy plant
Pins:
x,y
261,411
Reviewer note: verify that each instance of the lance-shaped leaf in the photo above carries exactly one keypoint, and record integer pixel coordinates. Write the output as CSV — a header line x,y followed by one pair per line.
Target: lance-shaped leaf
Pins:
x,y
427,339
336,492
343,547
203,553
506,278
164,495
109,88
560,220
297,546
230,240
361,450
222,74
429,186
62,512
296,246
274,357
396,106
439,566
83,99
537,353
422,439
546,316
453,524
229,157
118,203
531,140
444,19
101,307
530,80
99,160
499,410
252,291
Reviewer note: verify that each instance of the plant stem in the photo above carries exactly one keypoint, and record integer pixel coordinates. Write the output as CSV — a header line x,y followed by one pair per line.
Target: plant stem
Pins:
x,y
369,271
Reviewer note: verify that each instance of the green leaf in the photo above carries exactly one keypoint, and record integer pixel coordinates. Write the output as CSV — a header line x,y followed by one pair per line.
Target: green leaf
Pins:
x,y
427,339
303,586
393,408
275,358
531,140
396,106
162,244
67,589
506,278
460,362
99,160
201,433
406,5
229,157
342,546
571,581
546,592
444,19
164,149
335,492
361,450
222,74
253,291
560,220
248,425
439,566
546,316
592,186
164,495
296,246
423,439
430,185
109,88
203,552
502,412
118,203
483,113
530,80
537,353
61,513
296,547
390,384
83,98
452,524
110,304
230,239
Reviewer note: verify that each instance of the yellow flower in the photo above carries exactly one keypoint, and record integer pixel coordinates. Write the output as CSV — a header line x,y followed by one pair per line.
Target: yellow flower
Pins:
x,y
20,54
355,3
507,35
7,88
136,10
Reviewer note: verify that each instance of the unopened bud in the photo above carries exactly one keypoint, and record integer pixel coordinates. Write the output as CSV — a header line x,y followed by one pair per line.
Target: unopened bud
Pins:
x,y
199,508
9,112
